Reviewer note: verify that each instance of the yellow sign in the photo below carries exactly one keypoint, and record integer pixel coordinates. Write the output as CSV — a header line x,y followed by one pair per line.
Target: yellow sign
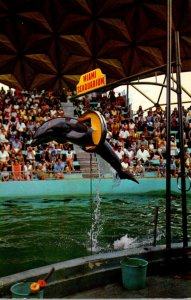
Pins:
x,y
91,81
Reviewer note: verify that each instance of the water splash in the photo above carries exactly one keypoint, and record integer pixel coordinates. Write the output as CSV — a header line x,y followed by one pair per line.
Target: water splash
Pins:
x,y
125,242
116,180
97,222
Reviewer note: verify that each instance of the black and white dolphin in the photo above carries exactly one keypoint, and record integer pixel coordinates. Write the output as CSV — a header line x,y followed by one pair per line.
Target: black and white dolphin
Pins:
x,y
88,131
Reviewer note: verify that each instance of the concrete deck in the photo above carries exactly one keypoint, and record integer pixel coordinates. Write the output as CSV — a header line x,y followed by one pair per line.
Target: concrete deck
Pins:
x,y
99,276
171,286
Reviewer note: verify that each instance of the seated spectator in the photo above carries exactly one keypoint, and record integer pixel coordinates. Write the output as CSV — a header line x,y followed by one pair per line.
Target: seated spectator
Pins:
x,y
163,128
6,127
135,135
161,169
45,165
146,133
16,145
157,123
140,110
115,129
125,163
143,142
41,175
149,120
4,157
131,126
70,159
143,155
129,153
173,146
21,127
16,170
161,144
173,167
31,156
7,146
114,111
123,134
131,168
28,171
3,135
52,160
67,170
142,122
59,169
134,146
156,134
119,152
20,157
139,169
5,174
151,147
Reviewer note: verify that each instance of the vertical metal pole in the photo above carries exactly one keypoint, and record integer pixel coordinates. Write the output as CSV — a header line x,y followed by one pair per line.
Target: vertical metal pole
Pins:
x,y
91,205
127,98
168,99
182,160
155,225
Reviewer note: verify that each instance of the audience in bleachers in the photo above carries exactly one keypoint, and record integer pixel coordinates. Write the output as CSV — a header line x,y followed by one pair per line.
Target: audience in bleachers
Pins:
x,y
21,113
137,139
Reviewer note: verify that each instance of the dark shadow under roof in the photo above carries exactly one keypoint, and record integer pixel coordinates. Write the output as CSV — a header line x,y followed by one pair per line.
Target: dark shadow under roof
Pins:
x,y
50,43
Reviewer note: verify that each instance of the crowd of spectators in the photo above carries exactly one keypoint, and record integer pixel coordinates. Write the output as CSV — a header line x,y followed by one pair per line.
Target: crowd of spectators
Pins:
x,y
138,138
21,113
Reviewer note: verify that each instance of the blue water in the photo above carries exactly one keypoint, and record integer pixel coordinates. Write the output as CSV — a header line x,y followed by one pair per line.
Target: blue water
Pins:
x,y
37,232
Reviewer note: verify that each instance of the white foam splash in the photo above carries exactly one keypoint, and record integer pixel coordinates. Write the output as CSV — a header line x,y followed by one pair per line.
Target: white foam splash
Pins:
x,y
125,242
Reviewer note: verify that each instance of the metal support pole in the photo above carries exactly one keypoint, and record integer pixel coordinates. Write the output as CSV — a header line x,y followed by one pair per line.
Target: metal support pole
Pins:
x,y
168,99
127,98
91,205
155,225
182,159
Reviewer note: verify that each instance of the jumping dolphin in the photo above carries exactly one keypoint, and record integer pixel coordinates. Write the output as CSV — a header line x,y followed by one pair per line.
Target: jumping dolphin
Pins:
x,y
88,131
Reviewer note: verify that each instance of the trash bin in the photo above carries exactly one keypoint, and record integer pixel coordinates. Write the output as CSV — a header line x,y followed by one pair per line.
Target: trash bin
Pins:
x,y
22,290
134,272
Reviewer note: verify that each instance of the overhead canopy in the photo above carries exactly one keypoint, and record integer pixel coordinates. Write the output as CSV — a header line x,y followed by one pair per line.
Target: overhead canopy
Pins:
x,y
50,43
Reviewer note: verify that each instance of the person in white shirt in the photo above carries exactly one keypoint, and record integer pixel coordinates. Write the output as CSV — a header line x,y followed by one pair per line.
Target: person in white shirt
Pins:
x,y
119,152
4,157
129,152
21,127
28,171
143,154
70,159
123,134
125,163
31,156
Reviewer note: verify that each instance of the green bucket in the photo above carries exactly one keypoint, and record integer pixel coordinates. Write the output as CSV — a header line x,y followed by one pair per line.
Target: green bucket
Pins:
x,y
134,271
22,290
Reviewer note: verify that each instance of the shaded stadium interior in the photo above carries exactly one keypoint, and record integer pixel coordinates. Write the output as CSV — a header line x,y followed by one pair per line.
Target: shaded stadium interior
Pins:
x,y
50,43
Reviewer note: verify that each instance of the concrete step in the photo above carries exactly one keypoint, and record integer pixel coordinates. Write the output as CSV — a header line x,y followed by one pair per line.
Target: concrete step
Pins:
x,y
68,109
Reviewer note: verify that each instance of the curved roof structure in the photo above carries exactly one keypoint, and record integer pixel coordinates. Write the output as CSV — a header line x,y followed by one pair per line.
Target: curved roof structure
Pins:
x,y
50,43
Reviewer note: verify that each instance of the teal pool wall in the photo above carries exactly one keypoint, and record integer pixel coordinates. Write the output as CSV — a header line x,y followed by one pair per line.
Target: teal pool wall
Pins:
x,y
79,186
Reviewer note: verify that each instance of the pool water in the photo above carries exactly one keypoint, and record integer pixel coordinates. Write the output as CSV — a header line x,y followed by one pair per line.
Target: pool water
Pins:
x,y
37,232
